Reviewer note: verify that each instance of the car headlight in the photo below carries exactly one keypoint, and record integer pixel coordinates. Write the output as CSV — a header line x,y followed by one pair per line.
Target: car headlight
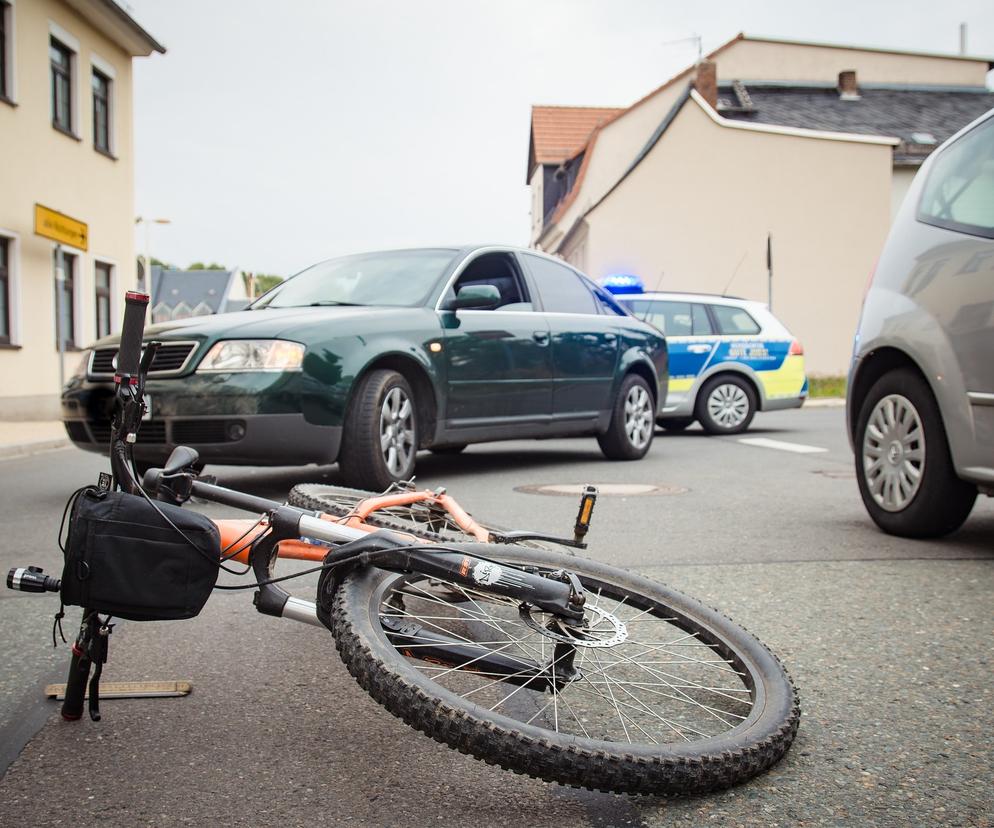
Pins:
x,y
253,355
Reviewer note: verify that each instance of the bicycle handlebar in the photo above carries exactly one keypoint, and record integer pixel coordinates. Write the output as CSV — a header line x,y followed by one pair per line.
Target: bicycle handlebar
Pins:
x,y
132,329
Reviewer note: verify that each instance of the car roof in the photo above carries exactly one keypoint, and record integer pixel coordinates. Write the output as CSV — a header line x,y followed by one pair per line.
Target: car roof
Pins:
x,y
687,296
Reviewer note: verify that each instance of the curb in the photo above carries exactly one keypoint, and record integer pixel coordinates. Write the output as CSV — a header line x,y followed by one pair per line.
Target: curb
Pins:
x,y
10,451
825,402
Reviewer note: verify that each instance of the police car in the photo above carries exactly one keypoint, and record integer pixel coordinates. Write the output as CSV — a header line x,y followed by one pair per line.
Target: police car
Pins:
x,y
728,357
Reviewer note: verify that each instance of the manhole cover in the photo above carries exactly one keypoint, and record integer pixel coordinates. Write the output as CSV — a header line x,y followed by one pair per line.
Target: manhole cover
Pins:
x,y
613,489
837,474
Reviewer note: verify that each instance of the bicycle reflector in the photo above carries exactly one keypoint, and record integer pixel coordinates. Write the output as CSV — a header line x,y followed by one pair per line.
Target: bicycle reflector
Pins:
x,y
587,500
31,579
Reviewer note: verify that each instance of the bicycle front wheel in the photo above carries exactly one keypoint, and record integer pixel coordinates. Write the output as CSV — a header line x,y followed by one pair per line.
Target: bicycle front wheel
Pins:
x,y
658,695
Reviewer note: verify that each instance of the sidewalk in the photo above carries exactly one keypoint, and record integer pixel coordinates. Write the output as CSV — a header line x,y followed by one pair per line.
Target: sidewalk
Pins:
x,y
825,402
20,438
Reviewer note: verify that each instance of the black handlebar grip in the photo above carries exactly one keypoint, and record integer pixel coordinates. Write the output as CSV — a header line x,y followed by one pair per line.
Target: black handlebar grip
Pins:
x,y
79,672
129,354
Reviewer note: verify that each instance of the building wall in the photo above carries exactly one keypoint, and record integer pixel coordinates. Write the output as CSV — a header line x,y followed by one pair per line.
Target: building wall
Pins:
x,y
616,146
695,216
764,60
67,175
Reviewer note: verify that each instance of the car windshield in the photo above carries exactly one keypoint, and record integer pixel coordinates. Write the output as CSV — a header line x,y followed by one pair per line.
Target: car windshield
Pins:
x,y
401,277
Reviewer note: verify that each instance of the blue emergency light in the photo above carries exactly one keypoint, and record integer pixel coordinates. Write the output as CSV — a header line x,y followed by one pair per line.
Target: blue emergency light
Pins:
x,y
622,283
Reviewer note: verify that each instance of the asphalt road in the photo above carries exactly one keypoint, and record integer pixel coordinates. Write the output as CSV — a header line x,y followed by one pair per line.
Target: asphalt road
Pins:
x,y
889,641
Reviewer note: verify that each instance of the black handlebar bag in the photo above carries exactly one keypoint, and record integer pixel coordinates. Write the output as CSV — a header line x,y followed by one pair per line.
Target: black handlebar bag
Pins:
x,y
123,558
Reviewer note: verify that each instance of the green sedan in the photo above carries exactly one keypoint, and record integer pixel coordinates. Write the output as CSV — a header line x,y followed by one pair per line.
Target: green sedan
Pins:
x,y
365,360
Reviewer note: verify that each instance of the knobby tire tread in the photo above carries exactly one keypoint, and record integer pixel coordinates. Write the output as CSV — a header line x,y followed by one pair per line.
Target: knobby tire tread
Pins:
x,y
551,761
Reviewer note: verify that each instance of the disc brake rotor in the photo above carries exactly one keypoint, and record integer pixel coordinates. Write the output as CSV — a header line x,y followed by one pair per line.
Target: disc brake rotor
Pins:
x,y
605,631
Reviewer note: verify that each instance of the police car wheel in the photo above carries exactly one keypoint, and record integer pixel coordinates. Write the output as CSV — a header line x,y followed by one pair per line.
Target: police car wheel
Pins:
x,y
630,433
903,466
726,405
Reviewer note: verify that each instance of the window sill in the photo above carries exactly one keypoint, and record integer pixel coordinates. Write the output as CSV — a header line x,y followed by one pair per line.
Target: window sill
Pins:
x,y
8,101
106,153
70,349
6,346
66,132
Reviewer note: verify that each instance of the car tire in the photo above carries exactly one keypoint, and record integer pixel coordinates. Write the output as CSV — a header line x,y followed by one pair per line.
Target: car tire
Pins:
x,y
380,438
676,423
630,433
726,405
448,450
903,466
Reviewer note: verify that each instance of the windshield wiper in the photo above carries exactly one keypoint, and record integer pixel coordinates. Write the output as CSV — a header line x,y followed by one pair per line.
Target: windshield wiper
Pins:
x,y
326,302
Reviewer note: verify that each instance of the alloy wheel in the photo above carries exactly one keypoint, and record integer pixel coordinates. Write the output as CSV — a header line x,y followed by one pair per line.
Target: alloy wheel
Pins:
x,y
397,431
638,416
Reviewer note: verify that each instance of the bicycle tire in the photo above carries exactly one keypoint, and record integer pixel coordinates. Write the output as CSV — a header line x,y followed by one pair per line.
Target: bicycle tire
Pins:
x,y
414,689
340,501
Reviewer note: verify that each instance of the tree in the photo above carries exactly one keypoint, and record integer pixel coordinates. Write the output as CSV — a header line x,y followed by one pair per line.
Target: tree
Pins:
x,y
202,266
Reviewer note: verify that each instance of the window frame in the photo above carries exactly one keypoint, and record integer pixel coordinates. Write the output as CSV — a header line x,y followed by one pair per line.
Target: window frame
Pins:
x,y
103,69
8,86
61,39
950,224
72,274
526,256
5,268
107,294
12,241
526,290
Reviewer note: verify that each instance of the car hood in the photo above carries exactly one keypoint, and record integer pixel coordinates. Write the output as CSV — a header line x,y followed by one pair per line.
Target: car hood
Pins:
x,y
273,323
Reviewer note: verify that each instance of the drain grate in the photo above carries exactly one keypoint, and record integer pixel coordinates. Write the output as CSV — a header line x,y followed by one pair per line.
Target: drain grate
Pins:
x,y
609,489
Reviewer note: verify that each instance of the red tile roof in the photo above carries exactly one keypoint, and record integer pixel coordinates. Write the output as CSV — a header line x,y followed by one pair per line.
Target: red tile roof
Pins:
x,y
560,132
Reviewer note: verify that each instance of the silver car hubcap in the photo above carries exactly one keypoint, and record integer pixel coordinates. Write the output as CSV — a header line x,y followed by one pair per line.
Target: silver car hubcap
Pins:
x,y
894,453
728,405
397,431
638,416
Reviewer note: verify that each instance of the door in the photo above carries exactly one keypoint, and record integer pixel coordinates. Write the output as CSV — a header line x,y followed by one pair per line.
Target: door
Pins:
x,y
585,343
691,340
498,359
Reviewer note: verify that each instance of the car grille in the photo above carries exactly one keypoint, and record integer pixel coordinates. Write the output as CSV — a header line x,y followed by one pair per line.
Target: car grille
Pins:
x,y
170,358
153,431
201,431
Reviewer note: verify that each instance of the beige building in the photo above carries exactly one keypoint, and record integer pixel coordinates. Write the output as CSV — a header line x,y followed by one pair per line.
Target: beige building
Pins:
x,y
812,144
68,170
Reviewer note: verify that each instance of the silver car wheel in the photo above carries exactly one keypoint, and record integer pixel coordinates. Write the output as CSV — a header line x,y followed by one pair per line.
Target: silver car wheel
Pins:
x,y
894,452
397,431
728,405
638,416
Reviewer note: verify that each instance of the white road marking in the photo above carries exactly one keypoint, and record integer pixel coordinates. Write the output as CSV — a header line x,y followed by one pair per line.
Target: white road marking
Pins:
x,y
797,448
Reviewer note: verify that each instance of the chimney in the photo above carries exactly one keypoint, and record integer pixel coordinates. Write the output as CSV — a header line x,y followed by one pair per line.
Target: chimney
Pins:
x,y
706,82
848,88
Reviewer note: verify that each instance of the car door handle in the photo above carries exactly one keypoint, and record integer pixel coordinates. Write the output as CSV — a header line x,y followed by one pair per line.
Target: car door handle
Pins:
x,y
541,337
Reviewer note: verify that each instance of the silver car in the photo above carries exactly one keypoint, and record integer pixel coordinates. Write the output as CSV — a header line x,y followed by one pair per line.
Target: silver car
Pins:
x,y
920,408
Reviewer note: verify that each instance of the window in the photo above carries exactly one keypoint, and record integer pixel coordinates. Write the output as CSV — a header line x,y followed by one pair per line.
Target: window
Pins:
x,y
5,322
62,63
101,112
65,301
499,270
102,273
959,193
673,318
734,321
560,288
6,52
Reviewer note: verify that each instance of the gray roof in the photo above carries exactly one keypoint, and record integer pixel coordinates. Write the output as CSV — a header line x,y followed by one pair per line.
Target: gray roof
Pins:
x,y
193,287
908,114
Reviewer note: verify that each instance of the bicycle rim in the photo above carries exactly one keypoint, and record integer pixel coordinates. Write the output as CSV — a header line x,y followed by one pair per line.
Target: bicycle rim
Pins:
x,y
667,696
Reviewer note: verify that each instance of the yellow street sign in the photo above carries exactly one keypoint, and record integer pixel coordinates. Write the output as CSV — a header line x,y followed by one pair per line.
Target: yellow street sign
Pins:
x,y
61,228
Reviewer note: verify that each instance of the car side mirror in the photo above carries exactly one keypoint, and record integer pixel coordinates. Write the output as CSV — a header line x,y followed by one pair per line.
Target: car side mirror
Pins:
x,y
475,296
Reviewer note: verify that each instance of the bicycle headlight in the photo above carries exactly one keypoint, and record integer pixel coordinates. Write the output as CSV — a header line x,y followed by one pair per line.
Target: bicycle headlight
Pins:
x,y
253,355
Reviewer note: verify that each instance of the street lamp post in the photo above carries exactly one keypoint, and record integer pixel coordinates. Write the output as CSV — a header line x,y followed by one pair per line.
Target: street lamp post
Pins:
x,y
147,274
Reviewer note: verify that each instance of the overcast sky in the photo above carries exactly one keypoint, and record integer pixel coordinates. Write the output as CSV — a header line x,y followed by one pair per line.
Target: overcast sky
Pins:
x,y
273,135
